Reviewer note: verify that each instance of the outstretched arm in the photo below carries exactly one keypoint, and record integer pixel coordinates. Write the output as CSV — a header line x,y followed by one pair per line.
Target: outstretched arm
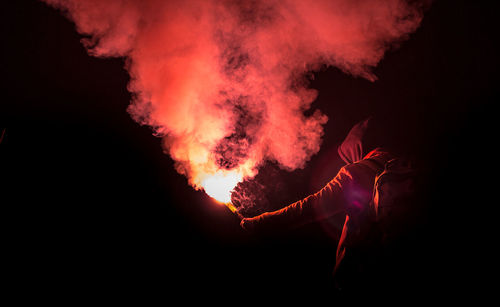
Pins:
x,y
323,204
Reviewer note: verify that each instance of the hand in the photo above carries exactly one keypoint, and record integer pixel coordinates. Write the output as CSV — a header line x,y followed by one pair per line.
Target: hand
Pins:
x,y
246,223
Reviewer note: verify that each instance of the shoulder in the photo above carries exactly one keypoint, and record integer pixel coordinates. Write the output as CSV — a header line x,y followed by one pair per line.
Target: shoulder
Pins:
x,y
354,172
379,153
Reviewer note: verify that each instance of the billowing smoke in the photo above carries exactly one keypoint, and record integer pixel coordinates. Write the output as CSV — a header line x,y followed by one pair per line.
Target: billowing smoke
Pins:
x,y
223,81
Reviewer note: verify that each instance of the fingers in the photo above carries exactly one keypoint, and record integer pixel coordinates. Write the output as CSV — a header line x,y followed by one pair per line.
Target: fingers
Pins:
x,y
246,223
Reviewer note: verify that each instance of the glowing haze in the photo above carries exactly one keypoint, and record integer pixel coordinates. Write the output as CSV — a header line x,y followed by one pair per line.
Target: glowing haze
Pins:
x,y
222,82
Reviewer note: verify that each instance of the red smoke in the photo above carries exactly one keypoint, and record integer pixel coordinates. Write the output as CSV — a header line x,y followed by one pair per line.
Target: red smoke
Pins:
x,y
223,81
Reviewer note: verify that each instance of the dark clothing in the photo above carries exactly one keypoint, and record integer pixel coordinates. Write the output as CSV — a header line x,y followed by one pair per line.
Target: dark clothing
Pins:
x,y
349,192
362,259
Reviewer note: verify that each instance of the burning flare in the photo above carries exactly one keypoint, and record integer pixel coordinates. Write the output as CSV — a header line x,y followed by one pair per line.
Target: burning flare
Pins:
x,y
222,82
220,185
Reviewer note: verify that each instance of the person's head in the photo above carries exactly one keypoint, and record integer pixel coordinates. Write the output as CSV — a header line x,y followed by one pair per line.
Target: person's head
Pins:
x,y
364,137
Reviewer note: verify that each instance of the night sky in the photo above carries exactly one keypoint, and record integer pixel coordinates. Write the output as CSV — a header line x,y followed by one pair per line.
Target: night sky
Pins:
x,y
91,205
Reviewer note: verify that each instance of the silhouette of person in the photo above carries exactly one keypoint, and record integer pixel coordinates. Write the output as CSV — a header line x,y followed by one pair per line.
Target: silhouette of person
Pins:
x,y
376,220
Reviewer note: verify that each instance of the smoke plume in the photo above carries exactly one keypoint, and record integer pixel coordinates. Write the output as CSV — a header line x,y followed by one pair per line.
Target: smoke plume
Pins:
x,y
223,81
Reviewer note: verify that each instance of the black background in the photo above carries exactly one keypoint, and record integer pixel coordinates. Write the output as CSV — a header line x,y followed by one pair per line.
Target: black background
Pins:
x,y
91,205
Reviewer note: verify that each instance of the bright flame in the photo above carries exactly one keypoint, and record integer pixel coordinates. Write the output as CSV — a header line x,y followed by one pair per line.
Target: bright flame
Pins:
x,y
220,185
226,83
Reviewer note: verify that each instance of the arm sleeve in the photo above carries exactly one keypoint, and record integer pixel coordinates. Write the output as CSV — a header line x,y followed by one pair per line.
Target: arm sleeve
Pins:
x,y
323,204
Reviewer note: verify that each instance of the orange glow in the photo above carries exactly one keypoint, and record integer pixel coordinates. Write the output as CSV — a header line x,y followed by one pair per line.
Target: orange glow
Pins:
x,y
220,185
227,93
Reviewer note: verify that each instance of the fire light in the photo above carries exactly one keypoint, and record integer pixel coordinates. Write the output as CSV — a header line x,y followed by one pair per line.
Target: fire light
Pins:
x,y
220,185
220,87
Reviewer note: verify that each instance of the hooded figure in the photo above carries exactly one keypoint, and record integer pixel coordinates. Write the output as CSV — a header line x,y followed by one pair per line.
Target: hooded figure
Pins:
x,y
351,192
